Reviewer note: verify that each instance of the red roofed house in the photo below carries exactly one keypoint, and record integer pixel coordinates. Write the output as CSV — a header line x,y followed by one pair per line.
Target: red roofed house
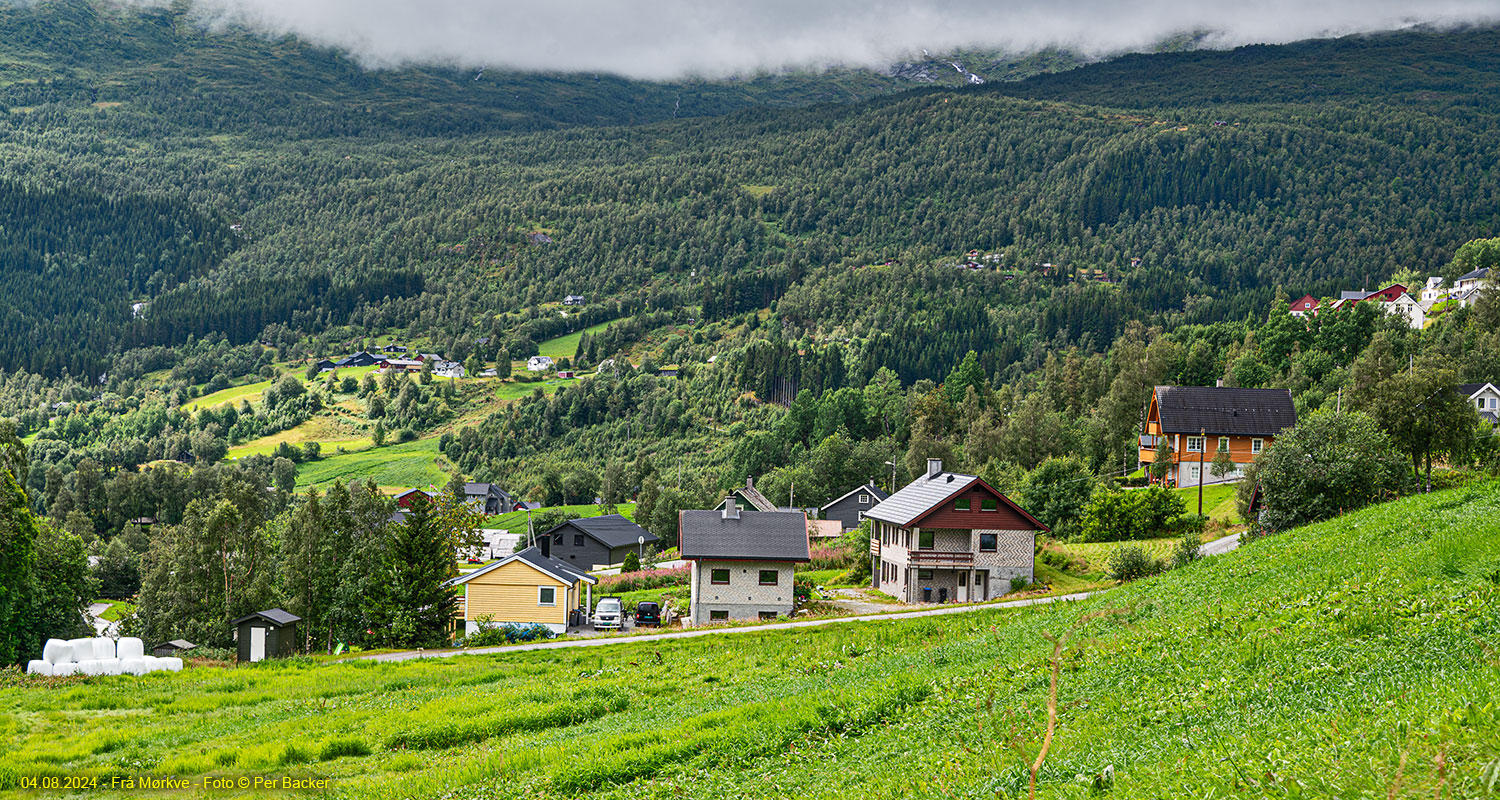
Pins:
x,y
947,537
1307,306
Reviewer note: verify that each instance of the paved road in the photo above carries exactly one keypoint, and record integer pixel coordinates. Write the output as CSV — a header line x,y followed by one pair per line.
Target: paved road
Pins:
x,y
102,627
1220,546
692,634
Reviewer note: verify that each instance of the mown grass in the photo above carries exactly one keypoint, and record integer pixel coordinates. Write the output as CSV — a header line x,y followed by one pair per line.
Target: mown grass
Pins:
x,y
566,346
323,429
1218,501
1355,658
406,464
515,521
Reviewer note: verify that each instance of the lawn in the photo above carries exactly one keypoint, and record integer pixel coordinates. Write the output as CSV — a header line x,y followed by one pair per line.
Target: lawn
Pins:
x,y
407,464
1353,658
566,346
116,610
249,392
1218,501
515,390
515,521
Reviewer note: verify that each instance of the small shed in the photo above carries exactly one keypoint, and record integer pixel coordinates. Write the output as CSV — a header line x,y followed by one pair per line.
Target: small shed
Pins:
x,y
266,634
172,648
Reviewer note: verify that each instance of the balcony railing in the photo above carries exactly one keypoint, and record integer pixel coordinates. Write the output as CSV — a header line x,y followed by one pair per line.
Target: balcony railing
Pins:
x,y
874,546
941,558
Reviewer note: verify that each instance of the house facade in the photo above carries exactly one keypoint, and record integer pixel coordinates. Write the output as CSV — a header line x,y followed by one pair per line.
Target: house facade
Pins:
x,y
1199,421
1486,400
1477,279
742,562
849,510
1306,306
539,363
595,541
487,498
946,537
524,588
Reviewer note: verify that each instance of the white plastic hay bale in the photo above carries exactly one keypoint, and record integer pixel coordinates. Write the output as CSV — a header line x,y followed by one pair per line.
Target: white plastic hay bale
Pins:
x,y
56,651
153,663
132,666
171,663
104,648
130,647
38,667
65,668
90,666
81,649
109,666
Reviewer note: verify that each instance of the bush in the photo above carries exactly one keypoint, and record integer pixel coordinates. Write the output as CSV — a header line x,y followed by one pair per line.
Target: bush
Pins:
x,y
644,579
1116,516
406,435
1187,549
1057,491
1132,562
1018,583
509,633
632,563
1331,463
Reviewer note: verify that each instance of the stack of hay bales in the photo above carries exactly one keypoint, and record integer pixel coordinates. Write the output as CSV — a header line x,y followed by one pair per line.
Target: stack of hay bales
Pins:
x,y
99,656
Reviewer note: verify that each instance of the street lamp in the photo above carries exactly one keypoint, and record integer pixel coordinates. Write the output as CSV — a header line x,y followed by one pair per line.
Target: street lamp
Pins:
x,y
892,485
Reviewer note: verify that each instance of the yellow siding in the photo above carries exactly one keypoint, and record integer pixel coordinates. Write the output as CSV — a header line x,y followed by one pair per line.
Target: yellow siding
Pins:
x,y
509,595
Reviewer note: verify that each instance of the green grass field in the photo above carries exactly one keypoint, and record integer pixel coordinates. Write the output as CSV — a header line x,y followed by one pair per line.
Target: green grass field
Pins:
x,y
321,429
406,464
249,392
1218,501
566,346
514,390
1354,658
515,521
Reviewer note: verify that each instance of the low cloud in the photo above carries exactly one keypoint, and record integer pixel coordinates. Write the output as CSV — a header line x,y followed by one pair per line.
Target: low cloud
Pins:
x,y
664,39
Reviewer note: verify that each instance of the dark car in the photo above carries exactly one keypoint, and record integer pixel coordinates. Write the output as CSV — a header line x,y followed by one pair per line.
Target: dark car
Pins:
x,y
647,614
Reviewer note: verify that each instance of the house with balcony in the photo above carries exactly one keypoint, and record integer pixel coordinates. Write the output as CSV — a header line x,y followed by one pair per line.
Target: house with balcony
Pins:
x,y
1486,400
946,537
1197,422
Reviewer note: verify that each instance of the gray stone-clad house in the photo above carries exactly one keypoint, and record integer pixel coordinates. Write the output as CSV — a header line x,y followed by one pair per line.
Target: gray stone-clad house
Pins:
x,y
850,509
487,498
594,541
742,562
946,537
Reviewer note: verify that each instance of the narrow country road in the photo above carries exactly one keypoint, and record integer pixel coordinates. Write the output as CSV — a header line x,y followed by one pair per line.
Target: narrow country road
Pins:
x,y
1216,547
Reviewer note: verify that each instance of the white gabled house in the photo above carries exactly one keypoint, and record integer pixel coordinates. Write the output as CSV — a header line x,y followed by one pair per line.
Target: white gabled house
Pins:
x,y
539,363
1486,400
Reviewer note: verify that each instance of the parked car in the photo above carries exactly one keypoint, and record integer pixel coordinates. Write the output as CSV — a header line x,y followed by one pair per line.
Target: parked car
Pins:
x,y
609,614
648,614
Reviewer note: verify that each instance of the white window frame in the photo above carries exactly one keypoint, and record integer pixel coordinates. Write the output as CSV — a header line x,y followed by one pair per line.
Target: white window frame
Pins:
x,y
1199,440
1223,444
1194,474
1257,445
864,498
540,589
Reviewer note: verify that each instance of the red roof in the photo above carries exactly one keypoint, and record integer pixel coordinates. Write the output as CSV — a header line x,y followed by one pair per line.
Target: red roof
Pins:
x,y
1307,303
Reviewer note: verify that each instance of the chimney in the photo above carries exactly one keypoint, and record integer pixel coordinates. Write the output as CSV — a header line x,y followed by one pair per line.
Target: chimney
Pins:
x,y
1219,383
934,467
731,511
749,482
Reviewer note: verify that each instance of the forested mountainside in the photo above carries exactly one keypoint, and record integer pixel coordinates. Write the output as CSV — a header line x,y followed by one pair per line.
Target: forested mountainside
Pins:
x,y
1129,225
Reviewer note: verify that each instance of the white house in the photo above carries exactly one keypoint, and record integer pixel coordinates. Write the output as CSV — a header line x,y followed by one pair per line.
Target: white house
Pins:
x,y
1478,279
539,363
448,369
1486,400
1407,306
1433,291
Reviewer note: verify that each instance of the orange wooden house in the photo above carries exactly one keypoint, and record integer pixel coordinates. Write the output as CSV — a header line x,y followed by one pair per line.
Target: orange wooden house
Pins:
x,y
1199,421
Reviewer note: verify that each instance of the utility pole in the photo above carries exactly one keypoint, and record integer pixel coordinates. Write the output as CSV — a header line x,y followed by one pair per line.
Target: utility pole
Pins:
x,y
1203,434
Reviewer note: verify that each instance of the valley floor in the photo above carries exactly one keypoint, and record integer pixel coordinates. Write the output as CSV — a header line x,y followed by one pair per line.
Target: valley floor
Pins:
x,y
1354,658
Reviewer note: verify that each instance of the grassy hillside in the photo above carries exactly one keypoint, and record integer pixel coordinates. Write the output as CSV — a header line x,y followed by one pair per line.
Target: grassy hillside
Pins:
x,y
1350,659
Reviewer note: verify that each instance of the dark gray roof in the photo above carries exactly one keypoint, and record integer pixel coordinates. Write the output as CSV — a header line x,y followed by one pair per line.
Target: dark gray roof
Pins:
x,y
1223,410
918,497
612,530
1471,389
752,536
471,489
869,488
180,644
561,570
1359,295
1477,274
276,615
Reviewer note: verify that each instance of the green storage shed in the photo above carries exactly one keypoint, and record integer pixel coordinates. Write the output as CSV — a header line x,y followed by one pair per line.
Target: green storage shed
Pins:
x,y
266,634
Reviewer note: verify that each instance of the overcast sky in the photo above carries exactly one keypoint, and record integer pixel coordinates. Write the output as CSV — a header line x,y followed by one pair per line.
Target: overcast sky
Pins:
x,y
661,39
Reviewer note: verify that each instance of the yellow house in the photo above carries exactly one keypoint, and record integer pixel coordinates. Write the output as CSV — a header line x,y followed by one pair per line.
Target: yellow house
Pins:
x,y
526,587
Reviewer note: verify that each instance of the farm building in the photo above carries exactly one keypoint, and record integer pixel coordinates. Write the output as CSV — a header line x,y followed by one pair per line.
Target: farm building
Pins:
x,y
266,634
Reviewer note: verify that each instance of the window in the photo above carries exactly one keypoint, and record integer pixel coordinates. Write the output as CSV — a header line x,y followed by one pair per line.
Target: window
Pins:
x,y
924,574
1257,445
1492,402
988,543
924,540
768,615
963,578
769,577
718,616
718,577
546,596
864,498
1223,444
1193,473
557,538
578,540
989,504
1195,444
962,505
1479,403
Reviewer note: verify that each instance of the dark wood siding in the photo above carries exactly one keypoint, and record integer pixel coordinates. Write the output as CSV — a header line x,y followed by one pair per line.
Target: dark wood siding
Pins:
x,y
948,516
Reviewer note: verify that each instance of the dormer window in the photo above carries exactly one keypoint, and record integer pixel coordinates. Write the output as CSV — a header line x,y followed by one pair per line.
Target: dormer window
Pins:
x,y
864,499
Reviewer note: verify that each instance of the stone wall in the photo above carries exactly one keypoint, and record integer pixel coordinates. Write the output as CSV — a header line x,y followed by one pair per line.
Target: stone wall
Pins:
x,y
743,597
